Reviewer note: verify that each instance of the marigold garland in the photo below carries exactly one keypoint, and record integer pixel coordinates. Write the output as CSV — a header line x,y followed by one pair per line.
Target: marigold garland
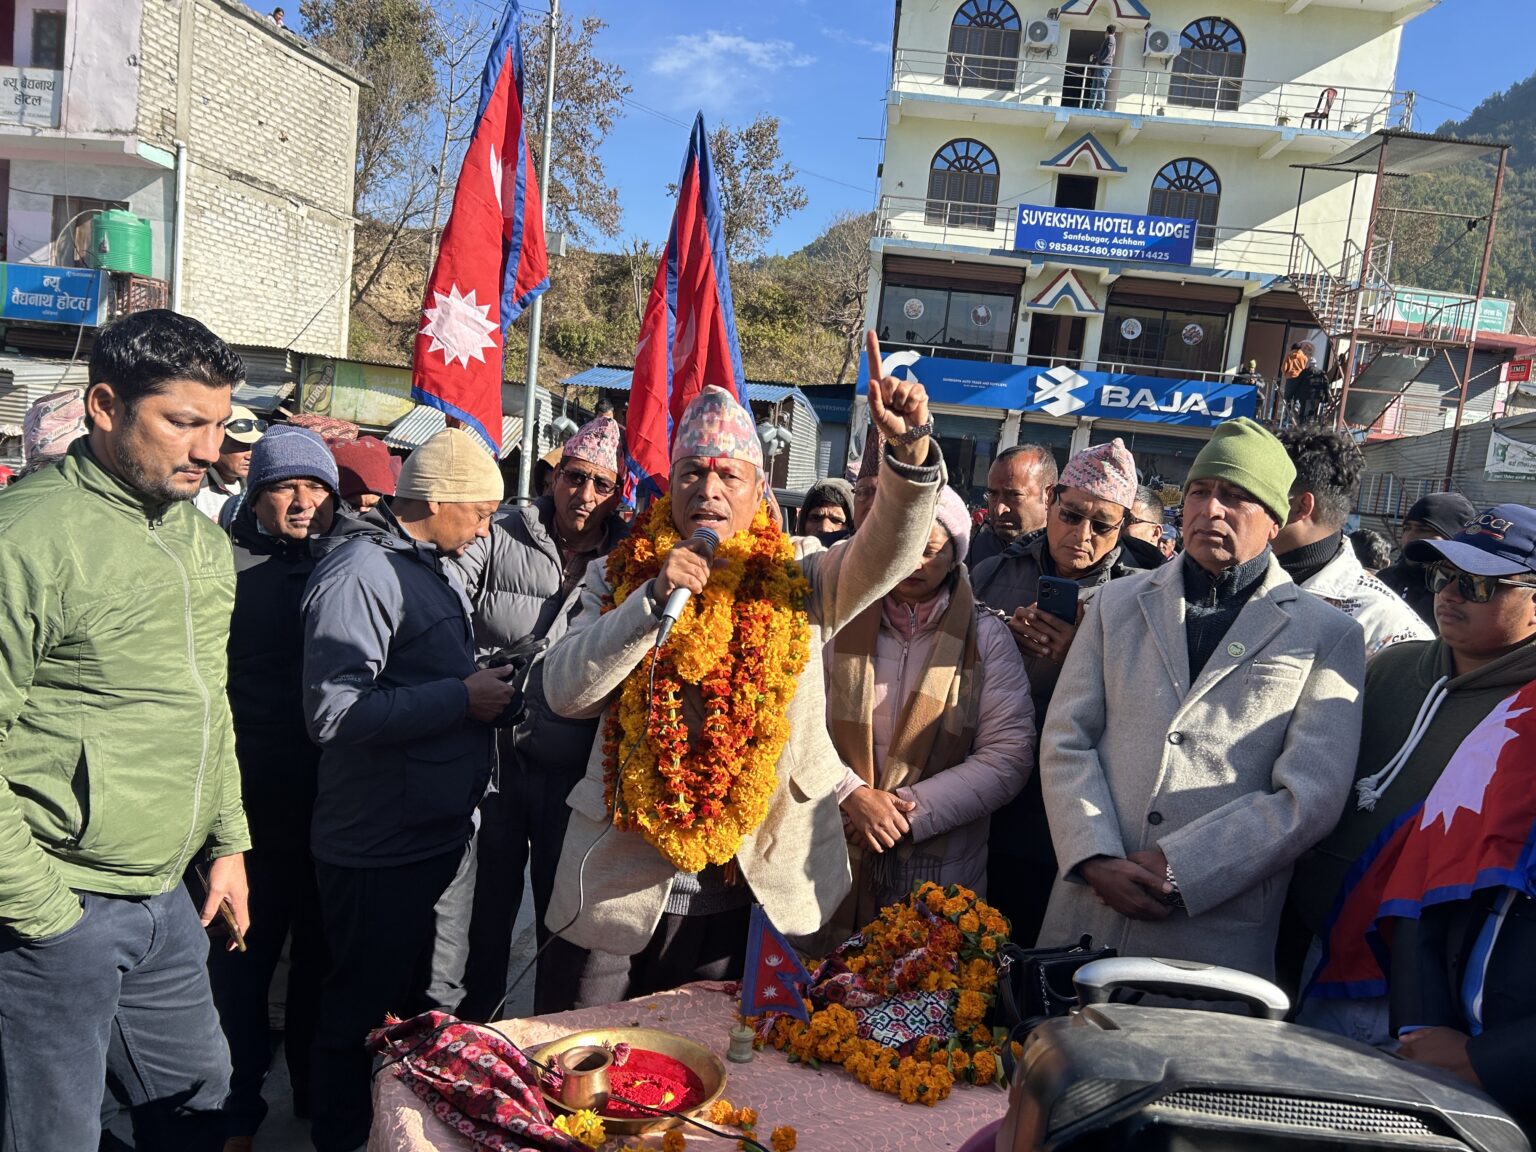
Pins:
x,y
743,643
961,957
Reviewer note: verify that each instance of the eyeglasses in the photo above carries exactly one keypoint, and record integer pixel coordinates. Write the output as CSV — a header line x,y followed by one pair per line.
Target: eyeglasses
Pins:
x,y
1072,519
241,427
1474,589
578,480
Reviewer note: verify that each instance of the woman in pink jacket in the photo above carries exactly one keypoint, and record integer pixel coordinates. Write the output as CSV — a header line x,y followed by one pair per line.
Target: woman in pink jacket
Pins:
x,y
929,708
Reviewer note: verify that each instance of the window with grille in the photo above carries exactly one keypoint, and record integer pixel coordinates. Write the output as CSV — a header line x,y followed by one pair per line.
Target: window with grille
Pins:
x,y
962,186
1188,189
48,40
1208,71
983,45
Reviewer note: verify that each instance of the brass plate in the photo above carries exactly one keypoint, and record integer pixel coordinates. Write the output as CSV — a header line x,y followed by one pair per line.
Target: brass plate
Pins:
x,y
704,1064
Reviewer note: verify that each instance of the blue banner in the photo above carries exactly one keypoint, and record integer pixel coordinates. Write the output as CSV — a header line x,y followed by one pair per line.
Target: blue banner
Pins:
x,y
1103,235
60,295
1063,391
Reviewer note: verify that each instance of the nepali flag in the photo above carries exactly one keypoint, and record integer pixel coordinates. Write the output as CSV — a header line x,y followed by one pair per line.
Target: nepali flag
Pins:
x,y
492,261
773,980
688,335
1475,830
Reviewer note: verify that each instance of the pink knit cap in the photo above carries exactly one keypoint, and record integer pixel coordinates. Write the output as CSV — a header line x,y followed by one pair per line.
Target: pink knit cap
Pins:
x,y
716,426
53,423
955,518
1105,471
596,442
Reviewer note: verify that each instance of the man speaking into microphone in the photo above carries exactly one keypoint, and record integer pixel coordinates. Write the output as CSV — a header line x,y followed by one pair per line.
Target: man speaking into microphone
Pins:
x,y
713,782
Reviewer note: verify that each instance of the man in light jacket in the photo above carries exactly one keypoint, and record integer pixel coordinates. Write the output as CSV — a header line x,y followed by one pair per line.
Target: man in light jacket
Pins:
x,y
1203,733
615,892
1311,546
524,580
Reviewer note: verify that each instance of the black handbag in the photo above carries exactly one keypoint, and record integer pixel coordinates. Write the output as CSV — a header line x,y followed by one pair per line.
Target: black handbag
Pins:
x,y
1036,983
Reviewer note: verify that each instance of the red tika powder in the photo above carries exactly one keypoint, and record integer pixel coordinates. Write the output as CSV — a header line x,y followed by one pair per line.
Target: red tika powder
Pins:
x,y
650,1078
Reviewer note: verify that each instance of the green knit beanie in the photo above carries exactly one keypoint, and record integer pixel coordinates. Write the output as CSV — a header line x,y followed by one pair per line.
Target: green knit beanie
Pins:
x,y
1246,454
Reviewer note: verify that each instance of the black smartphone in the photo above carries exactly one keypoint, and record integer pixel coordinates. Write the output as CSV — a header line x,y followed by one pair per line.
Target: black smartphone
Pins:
x,y
1058,597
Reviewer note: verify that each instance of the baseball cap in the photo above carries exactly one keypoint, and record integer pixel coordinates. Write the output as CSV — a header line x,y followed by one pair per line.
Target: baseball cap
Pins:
x,y
1499,542
1446,512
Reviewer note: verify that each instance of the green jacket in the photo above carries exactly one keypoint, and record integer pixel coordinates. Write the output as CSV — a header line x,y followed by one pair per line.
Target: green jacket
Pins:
x,y
117,761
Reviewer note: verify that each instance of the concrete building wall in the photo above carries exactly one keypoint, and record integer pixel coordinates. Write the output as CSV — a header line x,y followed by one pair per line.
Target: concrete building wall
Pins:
x,y
270,136
101,75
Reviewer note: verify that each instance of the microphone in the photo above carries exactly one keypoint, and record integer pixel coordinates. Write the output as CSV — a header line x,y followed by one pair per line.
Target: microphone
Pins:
x,y
669,615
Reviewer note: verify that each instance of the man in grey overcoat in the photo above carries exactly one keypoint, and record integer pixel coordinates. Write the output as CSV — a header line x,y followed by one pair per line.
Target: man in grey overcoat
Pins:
x,y
1186,765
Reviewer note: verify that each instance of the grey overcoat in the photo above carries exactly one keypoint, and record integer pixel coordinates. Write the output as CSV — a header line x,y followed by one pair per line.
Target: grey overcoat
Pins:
x,y
1233,777
797,860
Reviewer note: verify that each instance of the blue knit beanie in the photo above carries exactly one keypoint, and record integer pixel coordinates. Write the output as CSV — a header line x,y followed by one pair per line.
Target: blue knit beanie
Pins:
x,y
288,453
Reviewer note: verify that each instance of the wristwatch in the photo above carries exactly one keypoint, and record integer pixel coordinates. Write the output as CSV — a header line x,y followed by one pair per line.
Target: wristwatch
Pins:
x,y
1174,899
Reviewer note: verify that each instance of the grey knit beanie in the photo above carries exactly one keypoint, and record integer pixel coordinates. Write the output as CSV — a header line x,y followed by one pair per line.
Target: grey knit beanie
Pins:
x,y
288,453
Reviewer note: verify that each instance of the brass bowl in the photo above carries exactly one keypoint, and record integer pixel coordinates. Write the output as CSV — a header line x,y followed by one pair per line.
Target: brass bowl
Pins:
x,y
704,1064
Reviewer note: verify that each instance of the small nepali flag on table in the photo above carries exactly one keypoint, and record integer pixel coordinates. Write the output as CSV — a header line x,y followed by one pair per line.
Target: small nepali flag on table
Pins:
x,y
492,261
773,979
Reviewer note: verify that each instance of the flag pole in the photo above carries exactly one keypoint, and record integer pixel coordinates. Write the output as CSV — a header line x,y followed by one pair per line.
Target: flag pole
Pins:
x,y
536,310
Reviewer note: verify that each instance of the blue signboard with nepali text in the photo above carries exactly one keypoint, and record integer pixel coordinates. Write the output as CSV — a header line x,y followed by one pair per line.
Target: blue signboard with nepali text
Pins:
x,y
1064,391
1103,235
59,295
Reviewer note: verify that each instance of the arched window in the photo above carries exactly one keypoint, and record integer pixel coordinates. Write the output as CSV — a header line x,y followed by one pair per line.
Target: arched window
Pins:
x,y
1188,189
962,186
983,45
1208,71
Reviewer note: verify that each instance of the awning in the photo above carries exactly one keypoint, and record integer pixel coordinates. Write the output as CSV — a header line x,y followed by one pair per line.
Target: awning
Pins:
x,y
1408,153
422,423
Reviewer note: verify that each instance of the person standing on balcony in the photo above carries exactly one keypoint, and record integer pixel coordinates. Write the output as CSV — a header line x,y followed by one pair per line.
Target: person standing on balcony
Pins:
x,y
1102,60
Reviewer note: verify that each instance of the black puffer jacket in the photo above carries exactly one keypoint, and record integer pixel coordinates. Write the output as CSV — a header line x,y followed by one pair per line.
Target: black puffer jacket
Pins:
x,y
1410,581
266,681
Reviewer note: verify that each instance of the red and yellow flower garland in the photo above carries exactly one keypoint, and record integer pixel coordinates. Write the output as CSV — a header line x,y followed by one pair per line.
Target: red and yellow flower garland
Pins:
x,y
743,643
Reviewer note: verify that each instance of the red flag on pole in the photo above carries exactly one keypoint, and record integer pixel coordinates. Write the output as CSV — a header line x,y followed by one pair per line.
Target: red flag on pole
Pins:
x,y
492,260
688,334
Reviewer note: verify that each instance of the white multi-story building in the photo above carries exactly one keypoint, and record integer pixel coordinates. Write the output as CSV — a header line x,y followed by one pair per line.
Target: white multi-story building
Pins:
x,y
182,153
1079,251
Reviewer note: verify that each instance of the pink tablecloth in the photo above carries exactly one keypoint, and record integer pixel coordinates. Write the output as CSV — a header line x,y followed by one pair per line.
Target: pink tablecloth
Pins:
x,y
829,1109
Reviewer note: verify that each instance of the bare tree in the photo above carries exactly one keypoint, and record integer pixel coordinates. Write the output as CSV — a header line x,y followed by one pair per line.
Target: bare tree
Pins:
x,y
757,186
464,43
589,94
839,279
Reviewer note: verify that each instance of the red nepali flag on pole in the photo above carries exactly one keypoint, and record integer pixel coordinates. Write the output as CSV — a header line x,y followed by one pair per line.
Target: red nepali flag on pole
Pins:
x,y
773,979
492,260
688,335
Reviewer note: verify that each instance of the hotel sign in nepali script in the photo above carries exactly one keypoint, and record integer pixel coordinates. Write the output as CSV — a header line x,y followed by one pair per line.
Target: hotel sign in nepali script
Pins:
x,y
1104,235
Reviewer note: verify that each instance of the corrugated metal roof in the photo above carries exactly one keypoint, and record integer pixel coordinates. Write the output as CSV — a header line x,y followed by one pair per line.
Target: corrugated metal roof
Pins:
x,y
619,379
422,423
770,393
602,376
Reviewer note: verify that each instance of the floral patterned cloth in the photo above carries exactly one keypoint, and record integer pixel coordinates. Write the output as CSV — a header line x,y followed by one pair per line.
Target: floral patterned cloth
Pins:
x,y
474,1081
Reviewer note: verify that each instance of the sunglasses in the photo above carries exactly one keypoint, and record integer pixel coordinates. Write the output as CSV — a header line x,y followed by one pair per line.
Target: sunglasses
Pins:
x,y
241,427
1072,519
578,480
1473,589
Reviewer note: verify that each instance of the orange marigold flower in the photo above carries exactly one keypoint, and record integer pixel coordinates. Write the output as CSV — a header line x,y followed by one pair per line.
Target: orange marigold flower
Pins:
x,y
672,1141
721,1111
969,923
985,1064
746,1117
783,1139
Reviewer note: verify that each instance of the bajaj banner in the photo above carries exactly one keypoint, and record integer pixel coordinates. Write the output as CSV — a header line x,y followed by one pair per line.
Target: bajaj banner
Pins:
x,y
1104,235
1063,391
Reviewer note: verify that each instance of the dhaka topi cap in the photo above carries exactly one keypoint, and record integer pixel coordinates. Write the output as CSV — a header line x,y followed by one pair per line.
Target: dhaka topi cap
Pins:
x,y
1500,542
951,514
716,426
1105,472
286,453
53,423
596,442
1246,454
451,468
364,466
1446,512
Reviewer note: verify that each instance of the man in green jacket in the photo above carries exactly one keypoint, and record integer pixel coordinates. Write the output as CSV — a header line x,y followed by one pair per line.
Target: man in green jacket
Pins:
x,y
117,765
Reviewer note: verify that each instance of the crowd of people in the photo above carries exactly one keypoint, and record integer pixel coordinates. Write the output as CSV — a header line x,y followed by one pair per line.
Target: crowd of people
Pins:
x,y
287,693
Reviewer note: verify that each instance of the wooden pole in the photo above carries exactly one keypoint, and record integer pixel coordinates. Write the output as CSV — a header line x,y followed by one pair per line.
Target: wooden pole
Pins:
x,y
1482,286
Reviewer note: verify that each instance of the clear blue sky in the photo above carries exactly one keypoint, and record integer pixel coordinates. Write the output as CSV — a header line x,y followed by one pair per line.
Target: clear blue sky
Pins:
x,y
822,68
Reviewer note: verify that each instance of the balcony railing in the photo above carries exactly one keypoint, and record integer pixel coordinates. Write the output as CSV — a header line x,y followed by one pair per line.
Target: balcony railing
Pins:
x,y
1043,83
30,97
1078,364
992,226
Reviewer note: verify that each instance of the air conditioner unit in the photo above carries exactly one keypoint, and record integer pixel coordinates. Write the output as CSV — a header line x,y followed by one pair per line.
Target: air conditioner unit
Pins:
x,y
1042,34
1161,43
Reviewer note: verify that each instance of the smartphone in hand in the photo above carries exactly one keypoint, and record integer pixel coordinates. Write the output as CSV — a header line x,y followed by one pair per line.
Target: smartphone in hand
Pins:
x,y
1058,597
226,921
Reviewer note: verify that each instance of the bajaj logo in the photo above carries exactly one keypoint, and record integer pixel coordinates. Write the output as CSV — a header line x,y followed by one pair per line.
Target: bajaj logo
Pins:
x,y
1055,391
